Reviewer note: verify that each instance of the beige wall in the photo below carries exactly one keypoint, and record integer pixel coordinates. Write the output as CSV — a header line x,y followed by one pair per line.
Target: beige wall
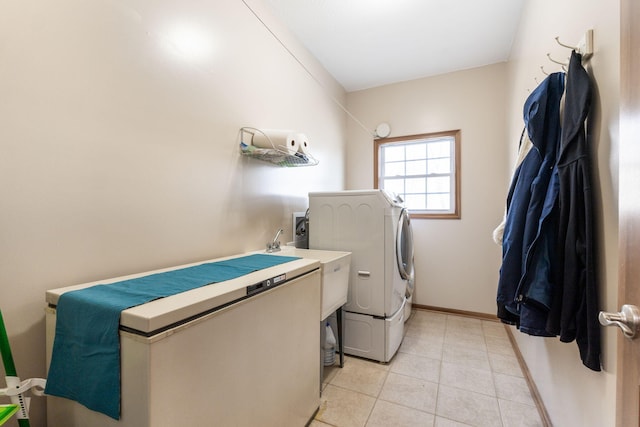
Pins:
x,y
574,395
456,261
119,147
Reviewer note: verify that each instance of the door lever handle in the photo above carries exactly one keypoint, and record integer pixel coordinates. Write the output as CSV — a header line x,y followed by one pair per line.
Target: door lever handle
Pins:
x,y
628,319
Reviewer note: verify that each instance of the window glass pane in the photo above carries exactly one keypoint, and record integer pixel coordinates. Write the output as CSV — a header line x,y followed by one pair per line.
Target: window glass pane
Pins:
x,y
438,202
439,149
439,185
417,167
394,185
422,170
416,151
440,166
416,202
393,153
416,185
394,169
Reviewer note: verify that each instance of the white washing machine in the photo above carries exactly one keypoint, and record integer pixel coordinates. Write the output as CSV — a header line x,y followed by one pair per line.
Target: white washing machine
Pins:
x,y
375,227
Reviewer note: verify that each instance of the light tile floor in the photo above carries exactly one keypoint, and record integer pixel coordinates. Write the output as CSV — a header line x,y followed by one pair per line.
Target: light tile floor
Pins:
x,y
450,371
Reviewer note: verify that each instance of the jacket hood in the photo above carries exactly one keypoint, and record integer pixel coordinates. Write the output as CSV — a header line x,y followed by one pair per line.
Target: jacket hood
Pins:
x,y
542,106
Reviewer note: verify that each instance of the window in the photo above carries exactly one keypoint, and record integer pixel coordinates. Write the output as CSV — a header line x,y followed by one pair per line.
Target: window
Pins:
x,y
422,169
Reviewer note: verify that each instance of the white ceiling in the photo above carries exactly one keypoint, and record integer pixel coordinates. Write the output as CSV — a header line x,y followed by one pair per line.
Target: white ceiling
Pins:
x,y
369,43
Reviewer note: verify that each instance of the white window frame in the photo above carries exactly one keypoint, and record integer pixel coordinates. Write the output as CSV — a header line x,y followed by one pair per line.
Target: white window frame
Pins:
x,y
453,137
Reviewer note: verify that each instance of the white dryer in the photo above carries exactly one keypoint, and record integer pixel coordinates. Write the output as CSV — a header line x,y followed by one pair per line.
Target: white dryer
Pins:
x,y
375,227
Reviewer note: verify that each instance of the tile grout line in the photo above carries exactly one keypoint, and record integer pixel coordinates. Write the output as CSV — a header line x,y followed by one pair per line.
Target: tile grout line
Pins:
x,y
435,409
535,394
378,395
493,375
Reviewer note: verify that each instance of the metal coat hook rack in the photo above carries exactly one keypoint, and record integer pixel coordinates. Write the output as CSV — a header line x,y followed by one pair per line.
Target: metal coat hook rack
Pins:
x,y
562,64
584,48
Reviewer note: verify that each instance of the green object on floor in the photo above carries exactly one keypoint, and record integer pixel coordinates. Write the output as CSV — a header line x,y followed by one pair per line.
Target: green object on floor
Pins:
x,y
9,369
5,350
6,412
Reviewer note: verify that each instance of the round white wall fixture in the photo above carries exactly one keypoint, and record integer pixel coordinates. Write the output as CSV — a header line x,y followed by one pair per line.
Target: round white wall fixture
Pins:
x,y
383,130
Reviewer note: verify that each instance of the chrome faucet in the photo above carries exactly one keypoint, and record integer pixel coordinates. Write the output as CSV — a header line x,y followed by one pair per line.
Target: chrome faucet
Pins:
x,y
274,245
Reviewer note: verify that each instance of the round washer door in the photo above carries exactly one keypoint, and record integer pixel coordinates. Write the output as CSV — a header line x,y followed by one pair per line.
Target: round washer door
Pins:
x,y
404,248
